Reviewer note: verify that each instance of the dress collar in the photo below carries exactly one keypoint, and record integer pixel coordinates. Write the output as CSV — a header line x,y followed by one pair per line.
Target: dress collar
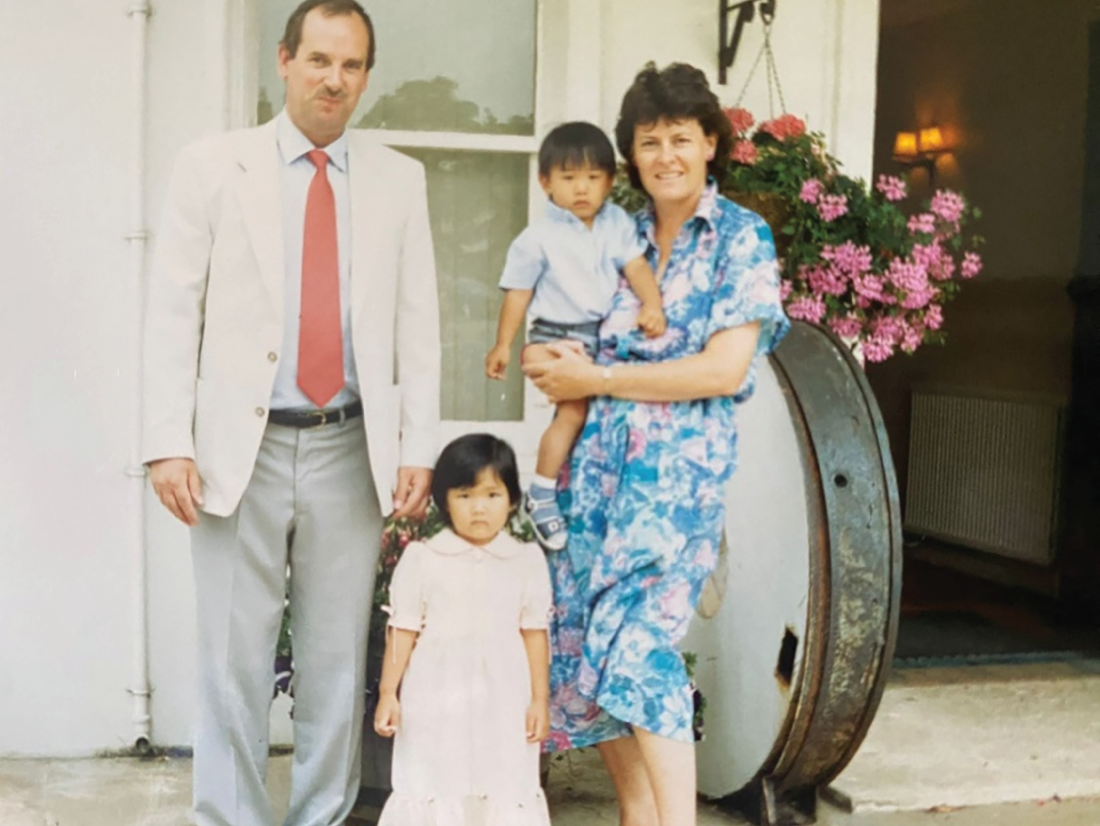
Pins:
x,y
293,144
706,211
448,543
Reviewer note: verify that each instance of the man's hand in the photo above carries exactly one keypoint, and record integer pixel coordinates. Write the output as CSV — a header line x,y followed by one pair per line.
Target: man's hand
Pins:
x,y
651,318
177,485
496,363
410,497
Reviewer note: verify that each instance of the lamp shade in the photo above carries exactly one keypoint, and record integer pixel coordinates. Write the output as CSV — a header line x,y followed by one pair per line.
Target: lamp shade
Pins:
x,y
905,145
931,139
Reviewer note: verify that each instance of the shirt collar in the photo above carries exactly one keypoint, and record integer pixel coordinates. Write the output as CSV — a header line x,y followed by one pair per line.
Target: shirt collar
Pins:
x,y
293,145
557,213
448,543
706,211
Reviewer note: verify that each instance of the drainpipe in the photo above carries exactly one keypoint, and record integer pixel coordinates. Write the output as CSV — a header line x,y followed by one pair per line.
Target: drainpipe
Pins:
x,y
137,239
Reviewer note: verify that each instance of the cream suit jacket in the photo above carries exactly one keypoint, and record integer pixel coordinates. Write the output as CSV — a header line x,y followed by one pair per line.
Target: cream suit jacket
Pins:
x,y
215,307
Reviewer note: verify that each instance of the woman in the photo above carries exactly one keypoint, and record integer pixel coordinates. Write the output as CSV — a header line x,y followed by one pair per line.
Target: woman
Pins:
x,y
645,495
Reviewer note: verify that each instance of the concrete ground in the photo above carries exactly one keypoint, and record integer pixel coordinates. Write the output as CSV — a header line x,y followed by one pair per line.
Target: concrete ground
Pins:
x,y
949,746
132,792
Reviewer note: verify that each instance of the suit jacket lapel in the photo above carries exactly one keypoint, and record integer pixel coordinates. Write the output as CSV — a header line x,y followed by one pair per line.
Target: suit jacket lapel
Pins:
x,y
261,205
367,205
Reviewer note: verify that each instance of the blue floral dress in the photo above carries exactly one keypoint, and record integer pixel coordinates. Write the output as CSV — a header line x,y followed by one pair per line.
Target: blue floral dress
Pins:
x,y
644,490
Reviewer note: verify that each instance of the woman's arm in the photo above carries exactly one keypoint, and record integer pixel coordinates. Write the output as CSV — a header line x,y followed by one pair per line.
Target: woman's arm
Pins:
x,y
399,645
718,370
537,643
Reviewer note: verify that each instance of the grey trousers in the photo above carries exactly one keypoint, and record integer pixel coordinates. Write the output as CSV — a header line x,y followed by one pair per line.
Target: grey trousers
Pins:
x,y
310,505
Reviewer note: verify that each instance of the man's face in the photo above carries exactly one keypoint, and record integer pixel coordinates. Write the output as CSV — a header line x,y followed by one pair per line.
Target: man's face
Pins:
x,y
328,74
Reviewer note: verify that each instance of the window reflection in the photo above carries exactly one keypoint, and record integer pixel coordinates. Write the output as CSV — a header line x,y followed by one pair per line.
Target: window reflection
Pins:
x,y
441,66
478,204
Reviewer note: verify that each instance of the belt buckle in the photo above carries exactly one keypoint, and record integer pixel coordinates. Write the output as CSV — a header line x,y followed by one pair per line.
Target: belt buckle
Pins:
x,y
323,416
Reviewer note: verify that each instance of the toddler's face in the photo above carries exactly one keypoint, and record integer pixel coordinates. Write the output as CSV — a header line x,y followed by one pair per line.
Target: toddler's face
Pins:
x,y
479,512
581,190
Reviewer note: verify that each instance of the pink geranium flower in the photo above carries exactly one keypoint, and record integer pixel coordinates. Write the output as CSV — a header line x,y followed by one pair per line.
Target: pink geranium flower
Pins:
x,y
827,280
784,127
740,119
892,187
923,223
948,205
807,308
831,207
745,152
811,191
847,326
933,317
848,257
971,265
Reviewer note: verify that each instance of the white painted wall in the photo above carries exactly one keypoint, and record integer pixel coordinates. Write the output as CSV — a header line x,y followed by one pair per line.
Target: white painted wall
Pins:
x,y
825,50
66,618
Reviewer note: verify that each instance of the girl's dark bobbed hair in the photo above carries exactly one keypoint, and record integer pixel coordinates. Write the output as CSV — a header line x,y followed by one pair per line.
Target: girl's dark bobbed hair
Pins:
x,y
464,458
676,92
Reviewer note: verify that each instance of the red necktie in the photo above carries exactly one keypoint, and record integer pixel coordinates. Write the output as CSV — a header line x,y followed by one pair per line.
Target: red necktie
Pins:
x,y
320,339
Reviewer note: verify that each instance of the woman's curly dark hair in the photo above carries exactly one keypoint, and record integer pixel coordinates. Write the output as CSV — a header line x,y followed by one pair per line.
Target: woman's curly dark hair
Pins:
x,y
676,92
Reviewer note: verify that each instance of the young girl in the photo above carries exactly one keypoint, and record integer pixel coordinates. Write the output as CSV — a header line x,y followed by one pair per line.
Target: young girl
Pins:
x,y
465,682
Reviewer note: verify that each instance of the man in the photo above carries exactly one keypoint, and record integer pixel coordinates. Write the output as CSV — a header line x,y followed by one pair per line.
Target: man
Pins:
x,y
291,378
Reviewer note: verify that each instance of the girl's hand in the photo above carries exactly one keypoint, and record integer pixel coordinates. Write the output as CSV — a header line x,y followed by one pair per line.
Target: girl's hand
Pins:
x,y
496,363
387,717
565,379
538,721
651,320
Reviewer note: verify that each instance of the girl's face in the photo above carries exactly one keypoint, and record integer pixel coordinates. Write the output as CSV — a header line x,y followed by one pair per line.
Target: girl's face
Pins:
x,y
671,157
479,512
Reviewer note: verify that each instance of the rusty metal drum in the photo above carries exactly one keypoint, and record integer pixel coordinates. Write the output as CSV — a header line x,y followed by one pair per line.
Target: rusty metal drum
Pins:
x,y
794,635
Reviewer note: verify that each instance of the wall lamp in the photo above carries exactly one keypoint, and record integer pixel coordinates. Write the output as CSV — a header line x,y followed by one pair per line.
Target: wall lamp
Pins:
x,y
920,148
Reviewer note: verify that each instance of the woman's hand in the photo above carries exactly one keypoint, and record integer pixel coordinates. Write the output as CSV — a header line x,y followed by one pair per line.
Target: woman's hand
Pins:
x,y
387,717
568,377
538,721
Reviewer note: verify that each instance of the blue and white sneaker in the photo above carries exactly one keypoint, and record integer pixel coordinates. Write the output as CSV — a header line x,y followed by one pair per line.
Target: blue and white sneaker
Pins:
x,y
545,517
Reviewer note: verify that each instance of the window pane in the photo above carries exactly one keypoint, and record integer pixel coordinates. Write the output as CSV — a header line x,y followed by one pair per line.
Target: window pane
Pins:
x,y
478,203
441,65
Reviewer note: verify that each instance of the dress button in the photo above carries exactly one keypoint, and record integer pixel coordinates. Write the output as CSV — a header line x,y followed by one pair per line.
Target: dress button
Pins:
x,y
260,411
272,356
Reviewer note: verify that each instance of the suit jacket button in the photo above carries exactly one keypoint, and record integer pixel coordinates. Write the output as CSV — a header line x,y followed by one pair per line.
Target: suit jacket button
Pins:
x,y
260,411
272,356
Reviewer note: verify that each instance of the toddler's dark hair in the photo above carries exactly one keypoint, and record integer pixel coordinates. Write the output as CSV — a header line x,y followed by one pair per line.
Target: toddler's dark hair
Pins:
x,y
467,456
575,145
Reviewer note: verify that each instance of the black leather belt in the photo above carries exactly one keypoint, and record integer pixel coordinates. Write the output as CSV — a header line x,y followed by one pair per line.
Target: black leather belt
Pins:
x,y
315,418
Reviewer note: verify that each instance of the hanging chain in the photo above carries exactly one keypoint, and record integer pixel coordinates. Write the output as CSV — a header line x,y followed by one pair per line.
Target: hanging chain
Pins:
x,y
774,86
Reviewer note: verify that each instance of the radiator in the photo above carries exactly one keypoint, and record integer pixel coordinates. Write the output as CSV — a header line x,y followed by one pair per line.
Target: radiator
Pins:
x,y
984,472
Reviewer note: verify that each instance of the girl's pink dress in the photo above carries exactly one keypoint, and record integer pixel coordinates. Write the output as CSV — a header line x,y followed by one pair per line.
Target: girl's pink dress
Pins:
x,y
461,756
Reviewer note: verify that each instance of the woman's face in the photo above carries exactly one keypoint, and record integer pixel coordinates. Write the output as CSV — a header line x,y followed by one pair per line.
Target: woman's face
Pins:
x,y
671,157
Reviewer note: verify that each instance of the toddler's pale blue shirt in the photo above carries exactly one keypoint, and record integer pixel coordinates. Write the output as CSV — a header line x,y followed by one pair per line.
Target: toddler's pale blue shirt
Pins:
x,y
573,270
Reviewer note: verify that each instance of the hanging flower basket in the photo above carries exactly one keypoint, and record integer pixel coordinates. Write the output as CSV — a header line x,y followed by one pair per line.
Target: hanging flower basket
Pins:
x,y
851,257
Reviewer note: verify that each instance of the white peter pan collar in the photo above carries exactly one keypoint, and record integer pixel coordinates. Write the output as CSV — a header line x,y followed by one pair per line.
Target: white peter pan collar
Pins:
x,y
448,543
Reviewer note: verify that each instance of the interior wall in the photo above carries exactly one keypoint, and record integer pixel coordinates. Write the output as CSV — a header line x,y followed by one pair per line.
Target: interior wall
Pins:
x,y
1008,83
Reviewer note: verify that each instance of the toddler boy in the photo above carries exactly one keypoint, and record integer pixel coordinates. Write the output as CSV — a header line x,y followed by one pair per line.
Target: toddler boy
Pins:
x,y
565,269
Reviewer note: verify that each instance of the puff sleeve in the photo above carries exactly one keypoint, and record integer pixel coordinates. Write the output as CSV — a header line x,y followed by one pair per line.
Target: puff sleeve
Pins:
x,y
407,604
746,290
537,598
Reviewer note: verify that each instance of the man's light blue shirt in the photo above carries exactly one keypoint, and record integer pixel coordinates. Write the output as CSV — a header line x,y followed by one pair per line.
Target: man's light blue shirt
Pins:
x,y
295,175
573,270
